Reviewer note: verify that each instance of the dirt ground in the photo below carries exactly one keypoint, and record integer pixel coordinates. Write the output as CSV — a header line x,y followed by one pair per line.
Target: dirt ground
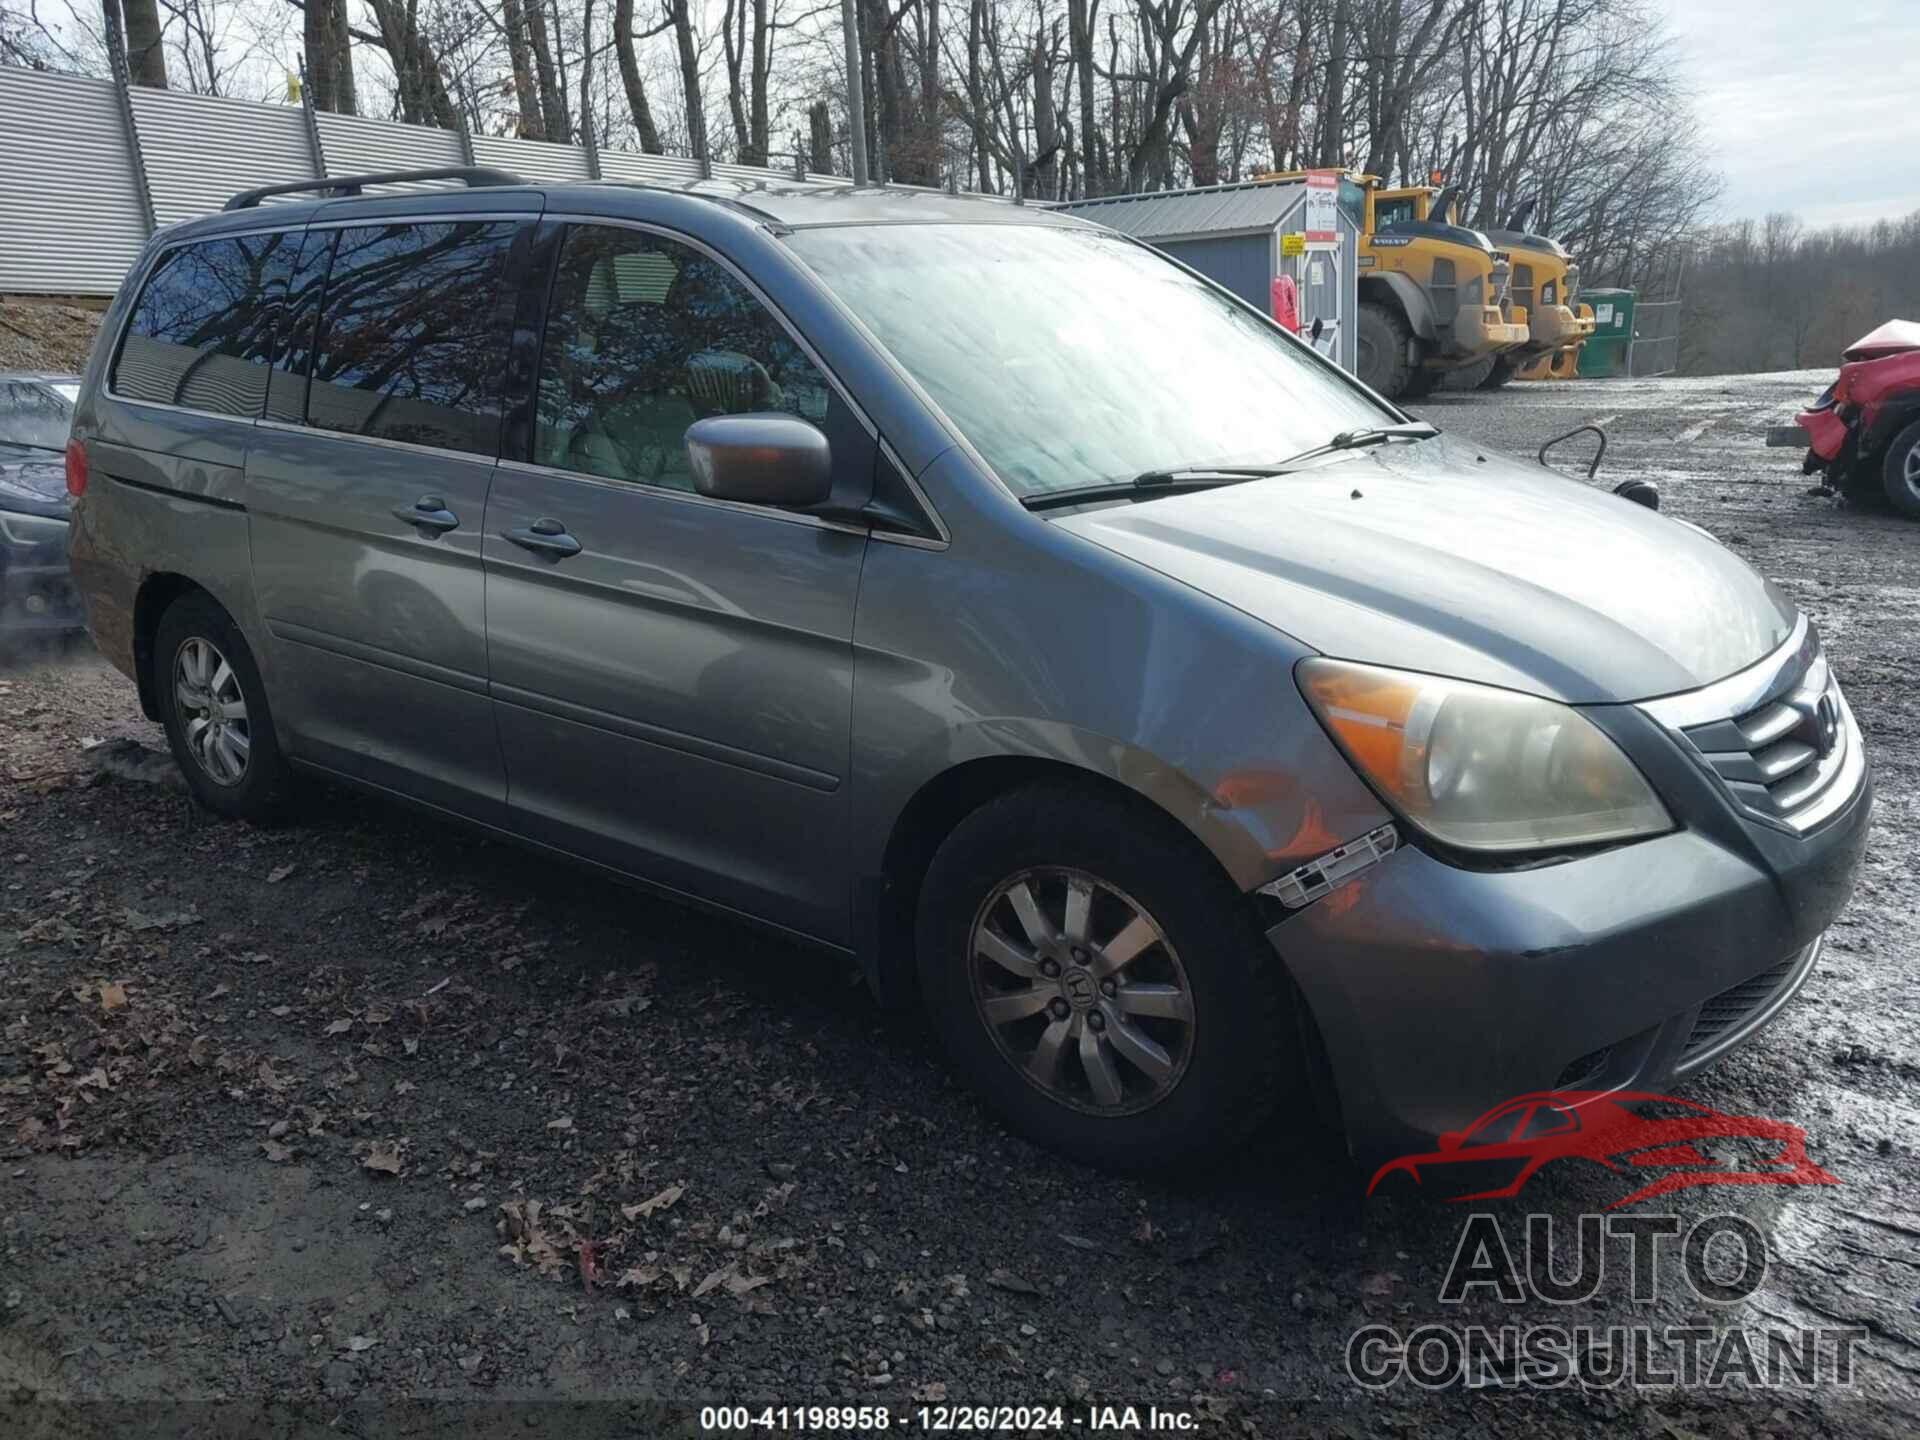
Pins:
x,y
38,334
368,1112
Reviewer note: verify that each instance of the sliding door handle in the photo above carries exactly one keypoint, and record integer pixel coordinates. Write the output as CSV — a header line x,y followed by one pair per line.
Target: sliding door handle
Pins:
x,y
429,515
544,537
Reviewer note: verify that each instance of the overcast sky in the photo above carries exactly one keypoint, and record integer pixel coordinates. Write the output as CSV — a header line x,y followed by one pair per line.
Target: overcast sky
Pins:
x,y
1808,107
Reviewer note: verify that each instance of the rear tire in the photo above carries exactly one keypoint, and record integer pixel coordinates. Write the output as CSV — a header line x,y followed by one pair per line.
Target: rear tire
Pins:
x,y
1042,1002
214,707
1900,472
1381,350
1499,375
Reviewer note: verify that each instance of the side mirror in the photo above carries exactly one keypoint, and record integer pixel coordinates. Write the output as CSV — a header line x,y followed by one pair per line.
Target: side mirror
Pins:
x,y
1318,326
1641,492
1451,1140
762,459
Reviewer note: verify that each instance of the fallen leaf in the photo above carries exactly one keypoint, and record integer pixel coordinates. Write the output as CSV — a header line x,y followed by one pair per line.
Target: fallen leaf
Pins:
x,y
217,992
565,1122
725,1272
663,1201
1007,1280
358,1343
279,873
741,1284
275,1152
95,1079
383,1157
339,1027
113,995
1080,1242
280,1012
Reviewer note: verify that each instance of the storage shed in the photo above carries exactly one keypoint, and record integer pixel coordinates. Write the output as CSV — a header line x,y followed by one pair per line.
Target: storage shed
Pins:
x,y
1245,236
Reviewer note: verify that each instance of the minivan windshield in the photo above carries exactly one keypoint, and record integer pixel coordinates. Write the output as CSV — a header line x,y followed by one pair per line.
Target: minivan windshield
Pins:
x,y
1071,357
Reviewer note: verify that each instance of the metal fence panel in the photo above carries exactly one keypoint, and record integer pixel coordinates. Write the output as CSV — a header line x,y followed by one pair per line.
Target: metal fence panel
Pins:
x,y
70,221
202,149
532,159
355,145
639,169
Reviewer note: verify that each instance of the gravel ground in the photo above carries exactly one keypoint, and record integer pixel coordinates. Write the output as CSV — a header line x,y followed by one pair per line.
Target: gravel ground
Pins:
x,y
367,1111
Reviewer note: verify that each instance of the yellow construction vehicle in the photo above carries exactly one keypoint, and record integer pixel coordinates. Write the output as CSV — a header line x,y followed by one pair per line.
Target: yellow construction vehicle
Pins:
x,y
1546,283
1433,294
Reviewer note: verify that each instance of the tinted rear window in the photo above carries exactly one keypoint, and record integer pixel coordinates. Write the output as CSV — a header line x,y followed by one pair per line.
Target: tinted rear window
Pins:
x,y
201,334
413,335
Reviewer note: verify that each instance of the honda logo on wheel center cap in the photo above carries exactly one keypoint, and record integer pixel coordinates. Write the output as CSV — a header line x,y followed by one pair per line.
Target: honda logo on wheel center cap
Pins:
x,y
1078,987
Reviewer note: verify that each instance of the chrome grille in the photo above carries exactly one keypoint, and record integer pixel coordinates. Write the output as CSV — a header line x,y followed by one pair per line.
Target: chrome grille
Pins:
x,y
1793,758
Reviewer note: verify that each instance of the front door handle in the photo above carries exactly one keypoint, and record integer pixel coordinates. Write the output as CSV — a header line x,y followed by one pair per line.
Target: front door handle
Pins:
x,y
544,537
429,514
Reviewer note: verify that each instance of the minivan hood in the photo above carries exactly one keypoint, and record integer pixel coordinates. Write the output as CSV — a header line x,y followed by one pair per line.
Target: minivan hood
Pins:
x,y
1436,556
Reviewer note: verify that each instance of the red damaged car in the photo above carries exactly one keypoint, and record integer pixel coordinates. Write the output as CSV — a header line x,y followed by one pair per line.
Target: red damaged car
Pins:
x,y
1864,431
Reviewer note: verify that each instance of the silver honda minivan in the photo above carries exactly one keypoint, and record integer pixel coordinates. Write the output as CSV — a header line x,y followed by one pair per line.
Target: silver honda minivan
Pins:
x,y
979,593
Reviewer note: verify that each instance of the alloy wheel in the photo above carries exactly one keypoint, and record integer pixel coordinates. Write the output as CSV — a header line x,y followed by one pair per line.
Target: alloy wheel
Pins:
x,y
1081,990
1910,469
212,711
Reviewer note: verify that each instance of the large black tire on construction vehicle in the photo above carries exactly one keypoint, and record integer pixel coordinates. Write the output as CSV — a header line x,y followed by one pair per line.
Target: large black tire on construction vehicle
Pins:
x,y
1381,350
1501,372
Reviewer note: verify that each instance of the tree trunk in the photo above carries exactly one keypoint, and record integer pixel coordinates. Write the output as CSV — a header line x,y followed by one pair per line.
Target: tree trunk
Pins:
x,y
513,17
146,61
630,78
1333,117
346,97
690,77
1043,177
555,124
820,138
1082,15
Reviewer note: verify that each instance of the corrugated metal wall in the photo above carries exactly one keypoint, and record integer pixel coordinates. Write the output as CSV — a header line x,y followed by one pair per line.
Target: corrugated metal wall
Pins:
x,y
355,145
70,220
71,214
200,149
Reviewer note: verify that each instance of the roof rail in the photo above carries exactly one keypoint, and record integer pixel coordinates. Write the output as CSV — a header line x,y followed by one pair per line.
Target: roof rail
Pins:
x,y
474,175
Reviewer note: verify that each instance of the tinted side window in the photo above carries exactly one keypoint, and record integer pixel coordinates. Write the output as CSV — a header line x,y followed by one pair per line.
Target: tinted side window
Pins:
x,y
413,336
202,331
299,311
644,336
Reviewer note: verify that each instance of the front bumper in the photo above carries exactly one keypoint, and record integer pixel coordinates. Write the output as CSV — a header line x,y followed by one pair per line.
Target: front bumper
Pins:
x,y
1440,991
1482,330
1553,327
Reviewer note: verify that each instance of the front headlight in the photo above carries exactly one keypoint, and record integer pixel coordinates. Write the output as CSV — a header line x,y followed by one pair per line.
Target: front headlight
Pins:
x,y
25,531
1480,768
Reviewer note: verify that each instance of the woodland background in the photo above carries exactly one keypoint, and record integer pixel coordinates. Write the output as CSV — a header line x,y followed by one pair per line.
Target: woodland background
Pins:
x,y
1576,104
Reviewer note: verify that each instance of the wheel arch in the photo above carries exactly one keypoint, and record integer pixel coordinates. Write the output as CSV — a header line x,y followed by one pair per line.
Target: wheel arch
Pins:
x,y
1398,292
887,902
157,592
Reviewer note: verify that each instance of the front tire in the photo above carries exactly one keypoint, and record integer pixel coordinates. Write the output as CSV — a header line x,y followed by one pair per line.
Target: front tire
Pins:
x,y
1499,374
1099,982
1900,472
1381,337
214,707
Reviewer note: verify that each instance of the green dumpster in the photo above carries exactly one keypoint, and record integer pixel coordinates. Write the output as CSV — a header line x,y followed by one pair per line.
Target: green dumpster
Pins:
x,y
1606,350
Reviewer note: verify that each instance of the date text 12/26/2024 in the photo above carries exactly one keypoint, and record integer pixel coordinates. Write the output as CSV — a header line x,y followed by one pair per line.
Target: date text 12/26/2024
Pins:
x,y
944,1419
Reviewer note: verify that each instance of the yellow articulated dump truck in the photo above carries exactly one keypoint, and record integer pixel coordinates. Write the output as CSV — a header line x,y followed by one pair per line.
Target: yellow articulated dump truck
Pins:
x,y
1546,284
1433,295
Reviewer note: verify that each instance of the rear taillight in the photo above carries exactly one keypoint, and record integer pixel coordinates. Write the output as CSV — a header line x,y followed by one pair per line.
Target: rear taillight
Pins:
x,y
76,468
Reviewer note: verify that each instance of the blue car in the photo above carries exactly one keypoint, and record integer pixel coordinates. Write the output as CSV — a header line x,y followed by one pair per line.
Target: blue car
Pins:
x,y
35,414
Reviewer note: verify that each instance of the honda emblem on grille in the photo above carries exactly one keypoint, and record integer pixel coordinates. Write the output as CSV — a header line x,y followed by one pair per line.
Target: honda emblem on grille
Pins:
x,y
1819,722
1826,725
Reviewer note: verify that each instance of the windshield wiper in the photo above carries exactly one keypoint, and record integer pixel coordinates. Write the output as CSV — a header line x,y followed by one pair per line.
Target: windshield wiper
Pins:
x,y
1359,439
1151,484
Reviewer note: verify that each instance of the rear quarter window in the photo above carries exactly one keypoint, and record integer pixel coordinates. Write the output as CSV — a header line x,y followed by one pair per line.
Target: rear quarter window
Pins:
x,y
413,335
202,332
